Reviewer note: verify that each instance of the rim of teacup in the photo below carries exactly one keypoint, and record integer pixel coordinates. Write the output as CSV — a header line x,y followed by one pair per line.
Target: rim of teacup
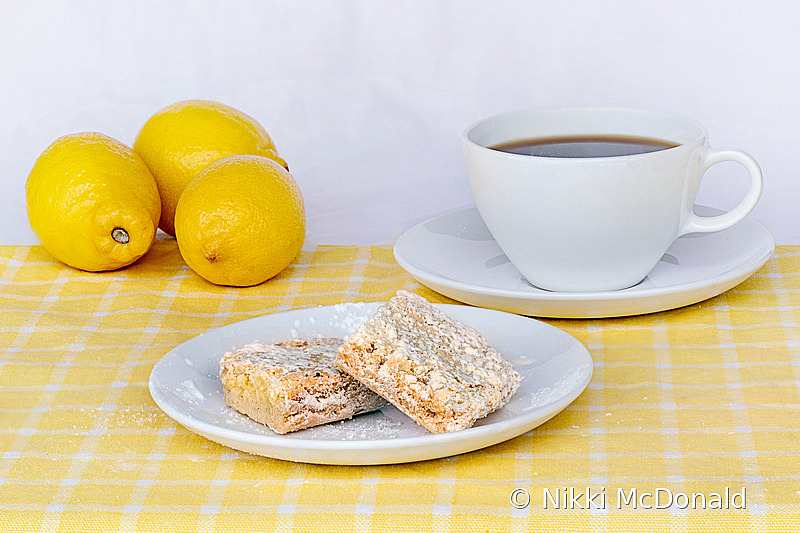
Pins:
x,y
681,138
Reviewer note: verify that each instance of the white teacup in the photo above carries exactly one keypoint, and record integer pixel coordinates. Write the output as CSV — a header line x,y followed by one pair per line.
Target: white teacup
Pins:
x,y
598,223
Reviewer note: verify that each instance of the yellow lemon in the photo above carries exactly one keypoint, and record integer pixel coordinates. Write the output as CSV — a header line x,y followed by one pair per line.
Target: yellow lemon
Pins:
x,y
182,138
92,202
240,221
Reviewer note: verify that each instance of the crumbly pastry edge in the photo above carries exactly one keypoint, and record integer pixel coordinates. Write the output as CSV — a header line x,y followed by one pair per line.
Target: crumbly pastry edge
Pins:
x,y
403,389
293,400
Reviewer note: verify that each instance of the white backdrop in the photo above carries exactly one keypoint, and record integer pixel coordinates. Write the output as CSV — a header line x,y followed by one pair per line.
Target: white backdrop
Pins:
x,y
366,100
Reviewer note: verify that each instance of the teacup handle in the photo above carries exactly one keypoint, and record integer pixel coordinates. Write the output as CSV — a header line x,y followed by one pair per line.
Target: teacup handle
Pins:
x,y
720,222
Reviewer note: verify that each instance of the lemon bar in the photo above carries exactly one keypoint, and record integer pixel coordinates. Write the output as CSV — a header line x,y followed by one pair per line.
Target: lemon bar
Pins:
x,y
293,385
438,371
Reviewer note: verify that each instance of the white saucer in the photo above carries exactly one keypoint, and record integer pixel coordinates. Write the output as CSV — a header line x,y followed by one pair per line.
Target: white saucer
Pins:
x,y
456,255
555,369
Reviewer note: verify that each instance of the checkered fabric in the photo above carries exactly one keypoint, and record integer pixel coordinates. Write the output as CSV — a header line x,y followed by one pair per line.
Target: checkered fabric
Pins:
x,y
697,407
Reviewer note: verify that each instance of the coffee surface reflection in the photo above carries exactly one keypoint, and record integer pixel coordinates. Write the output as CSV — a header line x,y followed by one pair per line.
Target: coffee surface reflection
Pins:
x,y
584,146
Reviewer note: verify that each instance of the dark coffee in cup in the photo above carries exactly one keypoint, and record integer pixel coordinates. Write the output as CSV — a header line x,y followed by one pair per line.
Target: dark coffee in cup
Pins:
x,y
584,146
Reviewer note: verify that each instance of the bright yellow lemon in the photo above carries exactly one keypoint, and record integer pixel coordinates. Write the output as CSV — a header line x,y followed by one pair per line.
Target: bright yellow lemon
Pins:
x,y
92,202
182,138
240,221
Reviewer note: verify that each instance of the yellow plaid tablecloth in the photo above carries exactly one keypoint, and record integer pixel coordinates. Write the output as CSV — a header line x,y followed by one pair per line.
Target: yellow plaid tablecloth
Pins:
x,y
695,401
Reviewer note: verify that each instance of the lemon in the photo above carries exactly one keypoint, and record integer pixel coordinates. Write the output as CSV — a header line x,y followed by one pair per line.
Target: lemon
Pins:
x,y
92,202
240,221
182,138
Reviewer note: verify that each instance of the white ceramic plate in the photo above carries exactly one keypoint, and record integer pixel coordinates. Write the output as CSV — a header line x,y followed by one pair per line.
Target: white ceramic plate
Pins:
x,y
456,255
185,383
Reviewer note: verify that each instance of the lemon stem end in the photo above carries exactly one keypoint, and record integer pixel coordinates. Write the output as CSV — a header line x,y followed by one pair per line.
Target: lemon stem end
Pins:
x,y
120,235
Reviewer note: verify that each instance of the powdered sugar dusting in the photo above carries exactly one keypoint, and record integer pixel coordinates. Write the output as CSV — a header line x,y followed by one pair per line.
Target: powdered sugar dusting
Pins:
x,y
342,322
374,426
547,395
189,391
348,317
